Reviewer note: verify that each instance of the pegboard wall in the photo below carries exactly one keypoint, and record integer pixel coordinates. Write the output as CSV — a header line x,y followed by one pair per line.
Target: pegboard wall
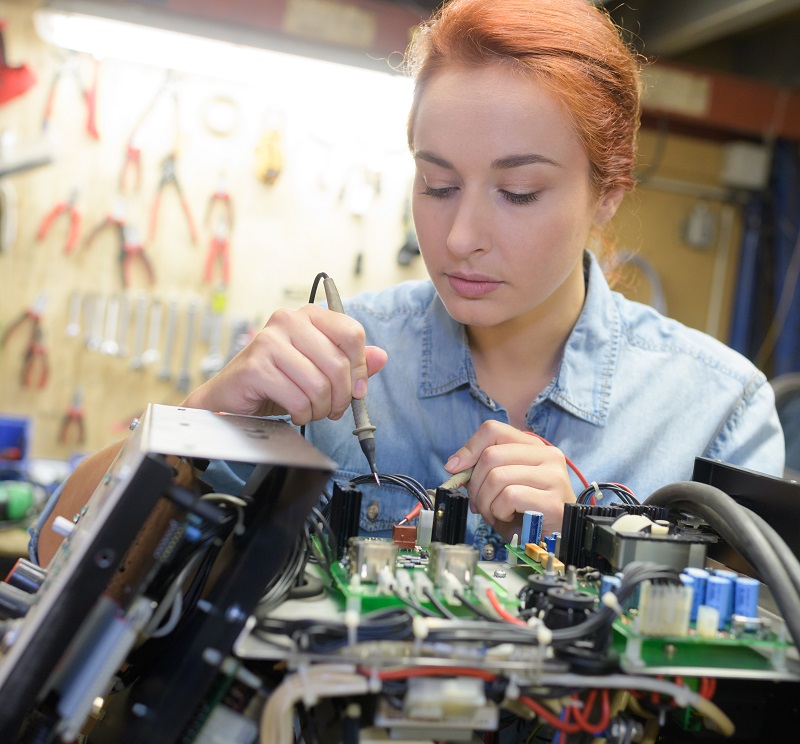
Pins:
x,y
318,177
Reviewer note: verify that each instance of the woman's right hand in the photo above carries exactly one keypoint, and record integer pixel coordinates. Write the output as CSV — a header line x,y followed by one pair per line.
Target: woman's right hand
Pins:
x,y
308,363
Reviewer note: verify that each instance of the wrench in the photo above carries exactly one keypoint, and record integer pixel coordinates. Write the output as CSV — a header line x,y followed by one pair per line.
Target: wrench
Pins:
x,y
74,323
151,354
213,361
123,325
109,344
182,383
138,338
95,308
172,325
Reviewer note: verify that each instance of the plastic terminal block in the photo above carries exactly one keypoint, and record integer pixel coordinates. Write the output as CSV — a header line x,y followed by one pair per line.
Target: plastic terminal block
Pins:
x,y
459,560
707,621
425,528
536,552
405,536
664,609
367,557
443,699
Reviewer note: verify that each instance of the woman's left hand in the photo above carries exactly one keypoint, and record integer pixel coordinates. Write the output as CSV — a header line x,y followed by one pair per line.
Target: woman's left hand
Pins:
x,y
513,472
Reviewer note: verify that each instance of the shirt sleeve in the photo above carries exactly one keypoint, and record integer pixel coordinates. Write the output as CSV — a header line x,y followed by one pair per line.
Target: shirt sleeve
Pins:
x,y
752,436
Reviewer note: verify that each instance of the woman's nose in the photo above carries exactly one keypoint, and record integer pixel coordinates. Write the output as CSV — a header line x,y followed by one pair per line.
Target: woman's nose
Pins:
x,y
469,231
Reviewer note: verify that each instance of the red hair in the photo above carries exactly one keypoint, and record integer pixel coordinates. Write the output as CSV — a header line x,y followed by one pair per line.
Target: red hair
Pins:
x,y
570,47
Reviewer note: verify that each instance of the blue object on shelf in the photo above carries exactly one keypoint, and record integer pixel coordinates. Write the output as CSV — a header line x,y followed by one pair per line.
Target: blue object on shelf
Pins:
x,y
14,440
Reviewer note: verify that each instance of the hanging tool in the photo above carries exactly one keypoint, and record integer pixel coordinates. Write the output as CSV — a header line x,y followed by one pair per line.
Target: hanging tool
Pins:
x,y
152,353
220,201
65,207
140,326
169,344
184,375
74,317
269,155
213,361
8,215
364,430
70,65
35,358
133,250
115,218
131,166
32,315
170,177
73,419
109,345
14,81
96,309
218,251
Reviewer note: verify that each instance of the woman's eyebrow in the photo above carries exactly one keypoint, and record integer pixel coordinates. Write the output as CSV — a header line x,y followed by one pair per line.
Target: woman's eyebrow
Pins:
x,y
514,161
511,161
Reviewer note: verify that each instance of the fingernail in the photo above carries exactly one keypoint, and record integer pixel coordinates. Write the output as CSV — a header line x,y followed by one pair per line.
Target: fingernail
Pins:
x,y
360,388
452,463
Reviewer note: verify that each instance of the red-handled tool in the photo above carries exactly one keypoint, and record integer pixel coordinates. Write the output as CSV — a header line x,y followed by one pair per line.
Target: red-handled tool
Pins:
x,y
66,207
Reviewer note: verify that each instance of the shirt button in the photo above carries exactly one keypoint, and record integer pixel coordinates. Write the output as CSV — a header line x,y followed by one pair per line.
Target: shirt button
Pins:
x,y
488,552
372,511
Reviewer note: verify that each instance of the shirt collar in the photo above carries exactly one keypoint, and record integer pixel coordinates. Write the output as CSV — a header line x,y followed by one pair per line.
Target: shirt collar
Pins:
x,y
583,383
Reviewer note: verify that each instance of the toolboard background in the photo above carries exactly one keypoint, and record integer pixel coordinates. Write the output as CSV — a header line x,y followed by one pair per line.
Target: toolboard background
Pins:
x,y
283,235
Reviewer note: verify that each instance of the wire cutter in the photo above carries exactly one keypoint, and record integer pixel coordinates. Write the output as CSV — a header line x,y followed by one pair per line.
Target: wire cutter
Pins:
x,y
115,218
133,249
222,199
66,207
33,314
35,357
73,419
218,251
69,65
169,176
131,167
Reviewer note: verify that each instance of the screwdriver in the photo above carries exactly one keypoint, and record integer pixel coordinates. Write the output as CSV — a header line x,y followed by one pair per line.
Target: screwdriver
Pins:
x,y
364,430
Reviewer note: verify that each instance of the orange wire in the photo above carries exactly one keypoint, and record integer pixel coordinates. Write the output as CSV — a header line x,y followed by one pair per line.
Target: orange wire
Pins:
x,y
500,610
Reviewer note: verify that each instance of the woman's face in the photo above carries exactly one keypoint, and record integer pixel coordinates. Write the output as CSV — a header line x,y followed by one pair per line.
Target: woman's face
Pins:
x,y
502,200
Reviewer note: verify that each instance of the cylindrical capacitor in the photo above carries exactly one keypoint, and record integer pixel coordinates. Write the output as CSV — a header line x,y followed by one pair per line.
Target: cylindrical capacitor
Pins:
x,y
745,600
531,527
730,576
700,576
609,584
26,576
718,596
691,582
550,543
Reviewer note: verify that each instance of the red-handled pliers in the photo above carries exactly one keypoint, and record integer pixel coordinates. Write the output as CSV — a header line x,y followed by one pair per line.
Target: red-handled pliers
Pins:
x,y
73,419
133,249
35,357
169,176
65,207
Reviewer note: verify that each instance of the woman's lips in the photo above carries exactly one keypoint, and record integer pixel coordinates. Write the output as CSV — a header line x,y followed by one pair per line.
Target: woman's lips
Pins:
x,y
472,286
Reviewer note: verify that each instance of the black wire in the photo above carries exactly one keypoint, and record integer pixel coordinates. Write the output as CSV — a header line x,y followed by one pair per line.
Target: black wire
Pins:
x,y
624,495
473,608
418,608
406,482
311,299
440,608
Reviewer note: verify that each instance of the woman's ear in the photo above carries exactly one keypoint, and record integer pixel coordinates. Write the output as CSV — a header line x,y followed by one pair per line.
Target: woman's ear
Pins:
x,y
607,205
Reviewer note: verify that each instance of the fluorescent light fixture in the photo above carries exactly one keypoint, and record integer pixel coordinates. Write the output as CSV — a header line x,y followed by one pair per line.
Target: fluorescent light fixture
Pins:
x,y
149,35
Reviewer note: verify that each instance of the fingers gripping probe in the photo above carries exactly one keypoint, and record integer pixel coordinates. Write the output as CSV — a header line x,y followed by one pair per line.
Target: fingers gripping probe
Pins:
x,y
364,430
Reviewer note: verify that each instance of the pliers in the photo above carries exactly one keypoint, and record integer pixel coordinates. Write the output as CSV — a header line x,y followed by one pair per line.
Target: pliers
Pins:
x,y
131,167
73,419
35,357
222,198
115,218
218,250
33,314
169,176
65,207
69,64
132,249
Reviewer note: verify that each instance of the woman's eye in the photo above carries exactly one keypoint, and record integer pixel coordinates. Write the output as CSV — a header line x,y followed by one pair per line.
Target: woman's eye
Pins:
x,y
440,193
520,198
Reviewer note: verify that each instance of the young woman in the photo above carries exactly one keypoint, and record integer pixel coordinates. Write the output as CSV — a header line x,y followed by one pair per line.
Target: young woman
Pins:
x,y
523,132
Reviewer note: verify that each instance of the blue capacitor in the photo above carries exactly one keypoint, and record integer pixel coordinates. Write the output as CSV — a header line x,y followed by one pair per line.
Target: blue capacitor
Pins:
x,y
550,543
609,584
700,576
745,600
532,527
718,595
691,582
731,576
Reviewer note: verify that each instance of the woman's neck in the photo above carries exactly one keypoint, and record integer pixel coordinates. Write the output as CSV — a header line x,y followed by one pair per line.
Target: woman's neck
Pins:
x,y
516,360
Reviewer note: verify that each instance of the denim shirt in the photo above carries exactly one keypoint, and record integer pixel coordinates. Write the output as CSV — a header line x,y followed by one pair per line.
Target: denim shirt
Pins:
x,y
636,398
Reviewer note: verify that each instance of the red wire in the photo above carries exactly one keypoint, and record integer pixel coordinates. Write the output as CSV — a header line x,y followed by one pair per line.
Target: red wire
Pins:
x,y
454,671
500,610
605,713
571,464
566,725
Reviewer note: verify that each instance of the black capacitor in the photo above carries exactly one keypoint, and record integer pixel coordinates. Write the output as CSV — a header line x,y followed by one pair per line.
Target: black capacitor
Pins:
x,y
345,513
450,511
26,576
